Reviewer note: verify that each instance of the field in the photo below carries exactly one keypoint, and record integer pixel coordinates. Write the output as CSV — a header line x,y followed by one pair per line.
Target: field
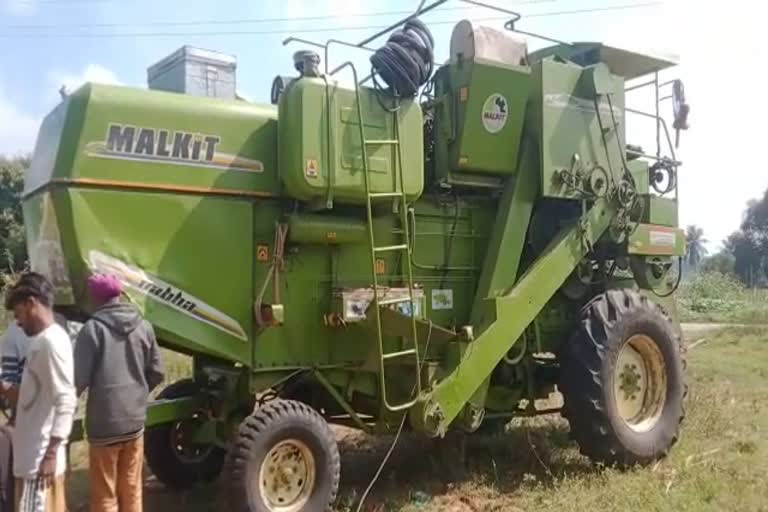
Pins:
x,y
720,464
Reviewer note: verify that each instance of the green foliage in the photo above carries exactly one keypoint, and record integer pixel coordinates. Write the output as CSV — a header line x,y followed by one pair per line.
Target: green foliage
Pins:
x,y
718,297
13,247
710,291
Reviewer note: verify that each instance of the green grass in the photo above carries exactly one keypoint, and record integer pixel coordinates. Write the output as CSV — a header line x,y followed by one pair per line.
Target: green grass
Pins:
x,y
720,464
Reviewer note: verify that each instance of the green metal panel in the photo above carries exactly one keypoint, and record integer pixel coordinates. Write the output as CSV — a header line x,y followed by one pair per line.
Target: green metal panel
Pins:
x,y
325,229
563,99
659,210
320,154
507,317
133,136
639,171
44,244
479,121
187,261
505,246
657,241
49,140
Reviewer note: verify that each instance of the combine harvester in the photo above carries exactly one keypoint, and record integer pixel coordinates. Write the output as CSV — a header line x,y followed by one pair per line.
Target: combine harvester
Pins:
x,y
377,258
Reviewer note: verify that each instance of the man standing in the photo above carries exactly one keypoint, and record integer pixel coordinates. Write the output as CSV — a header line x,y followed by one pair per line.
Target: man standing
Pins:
x,y
13,355
46,400
118,361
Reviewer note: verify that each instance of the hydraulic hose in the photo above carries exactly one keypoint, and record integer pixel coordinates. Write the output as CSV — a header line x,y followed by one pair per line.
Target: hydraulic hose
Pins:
x,y
406,61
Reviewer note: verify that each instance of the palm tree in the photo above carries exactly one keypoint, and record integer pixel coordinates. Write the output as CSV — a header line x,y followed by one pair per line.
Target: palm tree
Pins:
x,y
694,245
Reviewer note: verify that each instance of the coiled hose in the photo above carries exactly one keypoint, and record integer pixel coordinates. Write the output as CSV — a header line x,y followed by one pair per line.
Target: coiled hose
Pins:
x,y
406,61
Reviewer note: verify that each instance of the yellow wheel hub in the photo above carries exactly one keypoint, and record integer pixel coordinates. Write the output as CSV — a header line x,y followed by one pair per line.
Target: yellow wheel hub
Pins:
x,y
640,383
287,476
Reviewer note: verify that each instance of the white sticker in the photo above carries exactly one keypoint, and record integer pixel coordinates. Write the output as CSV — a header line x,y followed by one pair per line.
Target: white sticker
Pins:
x,y
311,169
495,113
663,238
442,299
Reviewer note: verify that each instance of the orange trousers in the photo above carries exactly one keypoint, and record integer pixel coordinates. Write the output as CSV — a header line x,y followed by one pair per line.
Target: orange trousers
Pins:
x,y
116,476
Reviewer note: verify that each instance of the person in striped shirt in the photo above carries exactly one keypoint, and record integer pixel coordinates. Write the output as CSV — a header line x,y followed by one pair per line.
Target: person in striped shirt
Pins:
x,y
13,354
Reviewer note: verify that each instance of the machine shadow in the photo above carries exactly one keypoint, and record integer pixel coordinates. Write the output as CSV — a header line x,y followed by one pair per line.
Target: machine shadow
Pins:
x,y
530,450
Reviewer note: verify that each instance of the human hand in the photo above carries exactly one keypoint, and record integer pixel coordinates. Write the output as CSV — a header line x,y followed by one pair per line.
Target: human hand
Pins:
x,y
47,471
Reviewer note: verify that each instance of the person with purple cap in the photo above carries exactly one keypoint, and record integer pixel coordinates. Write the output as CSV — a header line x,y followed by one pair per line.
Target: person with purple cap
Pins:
x,y
117,359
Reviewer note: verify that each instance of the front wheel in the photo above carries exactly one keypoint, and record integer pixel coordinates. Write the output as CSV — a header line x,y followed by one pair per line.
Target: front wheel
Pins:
x,y
173,457
284,459
622,380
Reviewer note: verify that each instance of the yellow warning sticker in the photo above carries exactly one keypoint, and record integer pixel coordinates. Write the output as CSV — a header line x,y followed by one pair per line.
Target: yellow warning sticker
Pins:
x,y
311,169
381,267
262,253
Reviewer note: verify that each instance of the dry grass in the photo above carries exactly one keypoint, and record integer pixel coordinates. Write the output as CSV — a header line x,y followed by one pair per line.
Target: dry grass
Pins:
x,y
720,464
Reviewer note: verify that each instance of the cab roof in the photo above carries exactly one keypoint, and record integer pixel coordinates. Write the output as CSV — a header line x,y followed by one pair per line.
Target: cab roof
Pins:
x,y
622,62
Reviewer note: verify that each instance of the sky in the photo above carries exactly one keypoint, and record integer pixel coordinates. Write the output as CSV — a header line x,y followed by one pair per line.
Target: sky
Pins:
x,y
45,44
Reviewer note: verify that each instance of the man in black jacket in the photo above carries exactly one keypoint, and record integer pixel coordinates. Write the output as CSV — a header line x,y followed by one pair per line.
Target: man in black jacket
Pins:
x,y
118,360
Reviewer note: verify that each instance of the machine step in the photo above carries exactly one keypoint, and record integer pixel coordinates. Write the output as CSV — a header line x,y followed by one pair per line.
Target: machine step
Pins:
x,y
398,300
391,248
380,195
402,353
382,142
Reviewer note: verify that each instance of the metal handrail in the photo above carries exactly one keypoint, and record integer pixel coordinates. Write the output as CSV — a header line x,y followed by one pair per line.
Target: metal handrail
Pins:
x,y
509,25
662,123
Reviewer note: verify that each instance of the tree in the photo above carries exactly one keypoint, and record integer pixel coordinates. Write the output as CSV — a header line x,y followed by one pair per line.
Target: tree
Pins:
x,y
13,246
694,245
747,258
749,245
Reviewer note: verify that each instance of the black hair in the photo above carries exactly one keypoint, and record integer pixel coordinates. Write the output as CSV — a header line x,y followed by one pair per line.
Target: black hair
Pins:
x,y
30,284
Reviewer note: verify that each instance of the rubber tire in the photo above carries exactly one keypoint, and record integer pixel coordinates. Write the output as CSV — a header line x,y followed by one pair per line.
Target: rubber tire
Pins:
x,y
275,421
161,457
587,373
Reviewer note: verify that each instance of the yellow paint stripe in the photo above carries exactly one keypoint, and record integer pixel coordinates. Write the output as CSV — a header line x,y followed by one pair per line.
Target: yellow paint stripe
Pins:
x,y
155,187
232,328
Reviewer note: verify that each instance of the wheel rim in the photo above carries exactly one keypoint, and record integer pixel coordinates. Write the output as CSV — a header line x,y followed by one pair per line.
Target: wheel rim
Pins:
x,y
287,476
640,383
184,448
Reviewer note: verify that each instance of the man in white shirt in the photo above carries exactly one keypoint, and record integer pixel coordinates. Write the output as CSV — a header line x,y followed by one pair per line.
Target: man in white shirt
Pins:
x,y
46,399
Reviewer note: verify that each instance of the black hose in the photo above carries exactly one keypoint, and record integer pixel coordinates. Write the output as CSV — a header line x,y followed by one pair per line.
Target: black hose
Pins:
x,y
406,61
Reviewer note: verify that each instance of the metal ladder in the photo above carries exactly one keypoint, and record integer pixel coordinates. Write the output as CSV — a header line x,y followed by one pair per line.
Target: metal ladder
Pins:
x,y
410,349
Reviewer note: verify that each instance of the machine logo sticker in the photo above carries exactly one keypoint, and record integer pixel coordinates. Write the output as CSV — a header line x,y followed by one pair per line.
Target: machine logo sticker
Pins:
x,y
442,299
126,142
156,289
311,169
495,113
663,238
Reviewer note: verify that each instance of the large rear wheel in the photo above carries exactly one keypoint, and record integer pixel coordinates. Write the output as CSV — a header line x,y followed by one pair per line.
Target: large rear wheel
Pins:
x,y
284,459
622,379
171,454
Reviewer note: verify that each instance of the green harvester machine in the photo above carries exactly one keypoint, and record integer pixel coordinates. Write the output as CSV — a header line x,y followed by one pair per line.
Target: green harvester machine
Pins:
x,y
361,255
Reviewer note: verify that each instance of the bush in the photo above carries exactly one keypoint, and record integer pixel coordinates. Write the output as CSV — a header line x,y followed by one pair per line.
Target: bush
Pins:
x,y
717,297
